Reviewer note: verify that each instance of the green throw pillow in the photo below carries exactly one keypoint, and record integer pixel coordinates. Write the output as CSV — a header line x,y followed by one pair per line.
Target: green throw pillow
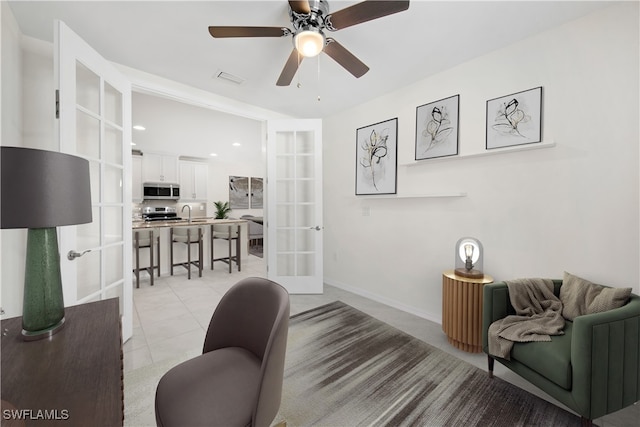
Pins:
x,y
579,296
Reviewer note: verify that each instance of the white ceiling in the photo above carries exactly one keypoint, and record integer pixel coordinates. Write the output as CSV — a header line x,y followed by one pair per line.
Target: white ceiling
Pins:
x,y
171,39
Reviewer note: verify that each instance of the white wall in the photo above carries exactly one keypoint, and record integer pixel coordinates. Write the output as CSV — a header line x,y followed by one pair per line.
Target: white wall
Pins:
x,y
12,242
572,207
38,94
28,92
188,130
10,71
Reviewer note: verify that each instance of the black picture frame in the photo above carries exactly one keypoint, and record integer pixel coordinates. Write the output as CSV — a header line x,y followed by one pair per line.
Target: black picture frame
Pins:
x,y
514,119
377,158
437,126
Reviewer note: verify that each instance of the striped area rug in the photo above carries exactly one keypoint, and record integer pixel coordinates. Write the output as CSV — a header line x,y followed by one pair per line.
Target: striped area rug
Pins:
x,y
346,368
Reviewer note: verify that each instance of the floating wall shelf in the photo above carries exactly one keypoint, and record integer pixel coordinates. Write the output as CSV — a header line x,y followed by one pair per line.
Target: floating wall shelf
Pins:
x,y
525,147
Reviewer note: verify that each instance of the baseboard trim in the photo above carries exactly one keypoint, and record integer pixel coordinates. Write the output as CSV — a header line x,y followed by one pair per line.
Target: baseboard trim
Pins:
x,y
384,300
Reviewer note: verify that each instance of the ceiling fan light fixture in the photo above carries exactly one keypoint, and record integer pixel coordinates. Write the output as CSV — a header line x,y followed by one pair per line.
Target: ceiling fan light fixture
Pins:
x,y
309,42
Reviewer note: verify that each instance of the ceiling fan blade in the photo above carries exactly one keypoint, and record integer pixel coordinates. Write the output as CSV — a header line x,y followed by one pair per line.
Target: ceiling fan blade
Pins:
x,y
290,68
221,32
345,58
300,6
363,12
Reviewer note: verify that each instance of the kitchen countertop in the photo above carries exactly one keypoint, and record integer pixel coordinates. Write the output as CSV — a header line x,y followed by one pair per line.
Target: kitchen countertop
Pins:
x,y
138,225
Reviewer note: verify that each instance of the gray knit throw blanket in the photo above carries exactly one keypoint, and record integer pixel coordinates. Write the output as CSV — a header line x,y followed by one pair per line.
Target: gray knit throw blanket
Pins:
x,y
538,316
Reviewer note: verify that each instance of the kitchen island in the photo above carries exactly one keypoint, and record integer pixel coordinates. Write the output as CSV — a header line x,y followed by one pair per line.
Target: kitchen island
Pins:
x,y
162,229
198,221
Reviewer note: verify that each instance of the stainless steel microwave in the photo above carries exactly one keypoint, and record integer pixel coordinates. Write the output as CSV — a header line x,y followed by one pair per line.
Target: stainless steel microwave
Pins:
x,y
160,191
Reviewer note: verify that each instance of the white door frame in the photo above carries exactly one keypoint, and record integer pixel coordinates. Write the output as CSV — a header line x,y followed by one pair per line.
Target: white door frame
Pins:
x,y
70,49
294,205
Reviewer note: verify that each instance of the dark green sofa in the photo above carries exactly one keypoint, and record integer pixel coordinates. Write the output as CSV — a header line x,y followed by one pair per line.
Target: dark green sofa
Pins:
x,y
594,368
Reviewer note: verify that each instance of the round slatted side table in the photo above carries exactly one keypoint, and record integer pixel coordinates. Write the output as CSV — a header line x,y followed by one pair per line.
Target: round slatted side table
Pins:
x,y
462,310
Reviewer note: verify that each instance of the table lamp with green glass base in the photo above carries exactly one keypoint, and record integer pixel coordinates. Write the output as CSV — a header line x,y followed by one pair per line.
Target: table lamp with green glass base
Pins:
x,y
40,191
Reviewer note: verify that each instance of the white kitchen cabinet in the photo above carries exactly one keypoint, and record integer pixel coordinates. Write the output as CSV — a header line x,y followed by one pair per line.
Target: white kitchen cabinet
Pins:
x,y
193,181
160,168
136,179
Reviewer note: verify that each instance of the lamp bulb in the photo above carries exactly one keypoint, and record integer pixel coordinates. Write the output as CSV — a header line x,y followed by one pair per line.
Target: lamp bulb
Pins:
x,y
468,251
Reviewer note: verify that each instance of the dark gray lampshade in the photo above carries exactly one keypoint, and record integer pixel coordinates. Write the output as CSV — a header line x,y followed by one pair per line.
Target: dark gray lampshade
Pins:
x,y
43,189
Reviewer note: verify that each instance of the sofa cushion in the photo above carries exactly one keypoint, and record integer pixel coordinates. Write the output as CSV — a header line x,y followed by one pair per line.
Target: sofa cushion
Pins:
x,y
579,296
551,359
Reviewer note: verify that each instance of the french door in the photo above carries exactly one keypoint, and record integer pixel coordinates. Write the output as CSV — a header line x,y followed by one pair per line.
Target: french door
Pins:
x,y
294,205
95,124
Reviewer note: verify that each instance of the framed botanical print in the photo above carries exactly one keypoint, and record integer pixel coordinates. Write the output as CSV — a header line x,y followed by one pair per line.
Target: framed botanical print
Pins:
x,y
377,158
437,128
515,119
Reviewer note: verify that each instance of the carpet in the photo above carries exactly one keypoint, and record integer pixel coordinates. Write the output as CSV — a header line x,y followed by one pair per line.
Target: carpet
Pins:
x,y
346,368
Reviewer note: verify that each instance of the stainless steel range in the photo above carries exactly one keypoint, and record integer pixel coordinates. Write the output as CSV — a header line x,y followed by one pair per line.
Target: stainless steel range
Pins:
x,y
150,213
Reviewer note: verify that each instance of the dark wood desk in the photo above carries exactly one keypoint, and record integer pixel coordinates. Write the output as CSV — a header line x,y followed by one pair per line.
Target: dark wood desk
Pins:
x,y
73,378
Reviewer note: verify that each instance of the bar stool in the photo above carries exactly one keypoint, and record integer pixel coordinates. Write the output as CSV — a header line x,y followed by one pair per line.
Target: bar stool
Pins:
x,y
229,232
187,236
145,239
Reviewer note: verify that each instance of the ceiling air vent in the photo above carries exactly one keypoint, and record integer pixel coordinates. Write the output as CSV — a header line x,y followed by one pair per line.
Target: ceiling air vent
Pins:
x,y
229,77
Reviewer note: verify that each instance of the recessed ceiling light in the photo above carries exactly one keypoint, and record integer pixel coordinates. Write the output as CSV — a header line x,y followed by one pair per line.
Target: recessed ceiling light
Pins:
x,y
236,144
133,143
139,127
213,155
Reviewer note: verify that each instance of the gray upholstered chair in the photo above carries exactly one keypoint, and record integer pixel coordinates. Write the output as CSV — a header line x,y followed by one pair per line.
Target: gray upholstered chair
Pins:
x,y
255,229
237,381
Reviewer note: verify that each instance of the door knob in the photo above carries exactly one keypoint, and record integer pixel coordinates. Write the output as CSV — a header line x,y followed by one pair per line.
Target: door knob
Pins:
x,y
317,228
71,255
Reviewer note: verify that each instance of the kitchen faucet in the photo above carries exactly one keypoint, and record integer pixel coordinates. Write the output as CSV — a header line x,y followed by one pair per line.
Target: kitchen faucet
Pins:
x,y
187,206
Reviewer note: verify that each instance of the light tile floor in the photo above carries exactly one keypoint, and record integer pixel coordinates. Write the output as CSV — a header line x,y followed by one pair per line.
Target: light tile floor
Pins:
x,y
171,318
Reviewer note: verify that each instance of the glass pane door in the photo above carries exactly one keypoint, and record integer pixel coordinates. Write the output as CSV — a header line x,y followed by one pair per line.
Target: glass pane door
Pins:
x,y
294,209
95,110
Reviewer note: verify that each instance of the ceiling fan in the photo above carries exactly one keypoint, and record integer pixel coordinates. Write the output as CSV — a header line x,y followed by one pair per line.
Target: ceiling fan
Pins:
x,y
309,19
